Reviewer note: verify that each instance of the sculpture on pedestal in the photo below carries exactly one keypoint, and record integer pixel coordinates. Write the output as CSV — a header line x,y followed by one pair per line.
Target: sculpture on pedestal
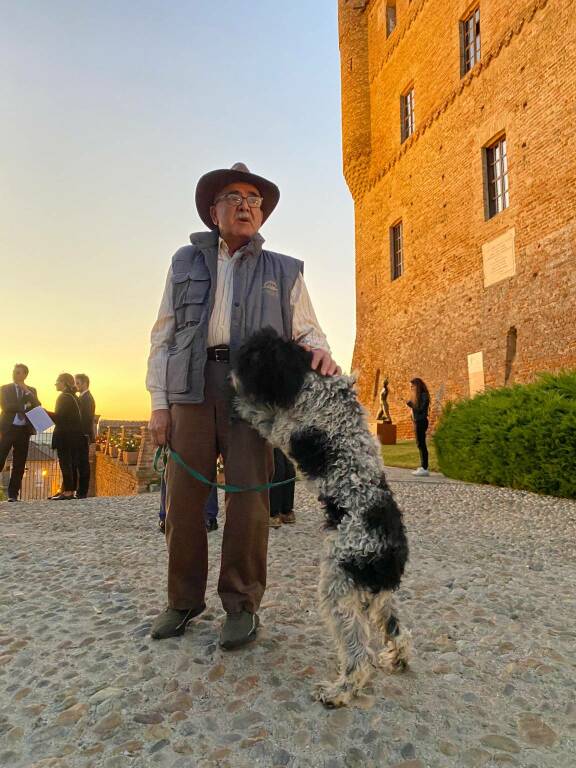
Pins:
x,y
385,429
384,412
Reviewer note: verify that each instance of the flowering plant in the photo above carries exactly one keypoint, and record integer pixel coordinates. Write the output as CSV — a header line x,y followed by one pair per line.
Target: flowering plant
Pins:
x,y
130,444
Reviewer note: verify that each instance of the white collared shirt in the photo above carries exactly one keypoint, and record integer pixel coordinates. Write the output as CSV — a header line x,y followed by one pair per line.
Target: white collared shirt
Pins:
x,y
305,326
18,420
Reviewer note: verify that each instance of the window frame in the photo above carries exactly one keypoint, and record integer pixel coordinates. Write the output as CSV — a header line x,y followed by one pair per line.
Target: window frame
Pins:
x,y
496,175
407,114
467,63
396,255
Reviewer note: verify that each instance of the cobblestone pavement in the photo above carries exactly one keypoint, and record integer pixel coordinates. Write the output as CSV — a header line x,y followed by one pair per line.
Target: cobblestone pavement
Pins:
x,y
489,596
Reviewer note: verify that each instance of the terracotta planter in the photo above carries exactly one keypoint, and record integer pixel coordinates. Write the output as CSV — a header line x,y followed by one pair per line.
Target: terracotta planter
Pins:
x,y
130,457
113,451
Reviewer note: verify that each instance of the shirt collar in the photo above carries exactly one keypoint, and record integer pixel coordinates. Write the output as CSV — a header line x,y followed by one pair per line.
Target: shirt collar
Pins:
x,y
223,252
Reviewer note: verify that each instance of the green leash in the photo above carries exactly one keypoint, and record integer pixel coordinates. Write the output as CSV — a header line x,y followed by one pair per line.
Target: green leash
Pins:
x,y
164,452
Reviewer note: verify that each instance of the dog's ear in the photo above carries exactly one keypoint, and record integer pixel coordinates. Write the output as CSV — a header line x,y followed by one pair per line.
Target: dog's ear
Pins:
x,y
272,370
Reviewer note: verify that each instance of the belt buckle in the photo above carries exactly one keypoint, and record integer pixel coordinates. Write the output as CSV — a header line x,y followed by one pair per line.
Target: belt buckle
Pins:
x,y
221,351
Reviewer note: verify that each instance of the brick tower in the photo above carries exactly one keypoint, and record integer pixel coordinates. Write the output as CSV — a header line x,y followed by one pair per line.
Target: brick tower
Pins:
x,y
458,143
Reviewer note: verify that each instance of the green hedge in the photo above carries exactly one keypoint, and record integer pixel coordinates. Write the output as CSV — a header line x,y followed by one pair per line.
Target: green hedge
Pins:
x,y
520,437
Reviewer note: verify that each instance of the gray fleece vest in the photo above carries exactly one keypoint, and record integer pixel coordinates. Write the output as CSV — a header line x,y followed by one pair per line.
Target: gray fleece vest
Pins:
x,y
263,282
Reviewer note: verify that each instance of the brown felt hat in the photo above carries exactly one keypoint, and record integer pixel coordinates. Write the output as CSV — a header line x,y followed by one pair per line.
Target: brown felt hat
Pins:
x,y
211,183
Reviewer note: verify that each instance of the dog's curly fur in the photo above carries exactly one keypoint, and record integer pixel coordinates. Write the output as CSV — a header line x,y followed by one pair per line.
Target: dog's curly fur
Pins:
x,y
319,423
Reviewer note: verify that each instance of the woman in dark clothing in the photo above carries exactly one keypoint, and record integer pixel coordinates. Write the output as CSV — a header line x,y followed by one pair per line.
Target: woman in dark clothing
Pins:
x,y
282,496
420,404
67,435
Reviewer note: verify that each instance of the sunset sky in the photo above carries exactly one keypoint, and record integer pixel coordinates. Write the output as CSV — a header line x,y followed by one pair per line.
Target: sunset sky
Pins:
x,y
110,113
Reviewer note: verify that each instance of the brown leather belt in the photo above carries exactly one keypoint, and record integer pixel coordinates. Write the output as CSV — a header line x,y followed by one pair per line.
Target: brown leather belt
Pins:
x,y
219,354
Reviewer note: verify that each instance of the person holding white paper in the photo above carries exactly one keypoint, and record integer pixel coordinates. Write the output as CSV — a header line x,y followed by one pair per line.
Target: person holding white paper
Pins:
x,y
39,419
16,400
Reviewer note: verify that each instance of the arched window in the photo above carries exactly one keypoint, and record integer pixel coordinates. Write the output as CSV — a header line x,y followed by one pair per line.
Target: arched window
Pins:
x,y
390,17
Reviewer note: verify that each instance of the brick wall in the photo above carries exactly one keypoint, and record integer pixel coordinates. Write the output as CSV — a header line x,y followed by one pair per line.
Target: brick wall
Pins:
x,y
110,477
428,321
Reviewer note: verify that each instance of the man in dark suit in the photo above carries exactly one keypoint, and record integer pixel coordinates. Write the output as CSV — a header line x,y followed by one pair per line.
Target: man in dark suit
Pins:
x,y
87,411
15,429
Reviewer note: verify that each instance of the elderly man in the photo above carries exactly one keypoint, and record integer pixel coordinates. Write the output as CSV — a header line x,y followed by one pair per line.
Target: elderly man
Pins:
x,y
221,289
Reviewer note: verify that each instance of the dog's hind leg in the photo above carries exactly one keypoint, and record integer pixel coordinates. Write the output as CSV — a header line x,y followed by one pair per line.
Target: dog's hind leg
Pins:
x,y
398,644
349,627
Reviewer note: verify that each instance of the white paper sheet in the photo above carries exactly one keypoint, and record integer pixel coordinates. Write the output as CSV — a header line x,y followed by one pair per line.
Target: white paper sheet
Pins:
x,y
39,419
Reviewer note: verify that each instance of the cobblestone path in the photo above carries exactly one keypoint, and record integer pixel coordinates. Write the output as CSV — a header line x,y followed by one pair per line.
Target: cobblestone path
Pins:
x,y
489,596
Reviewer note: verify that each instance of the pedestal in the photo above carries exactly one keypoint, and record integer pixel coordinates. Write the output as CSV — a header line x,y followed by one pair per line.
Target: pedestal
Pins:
x,y
386,433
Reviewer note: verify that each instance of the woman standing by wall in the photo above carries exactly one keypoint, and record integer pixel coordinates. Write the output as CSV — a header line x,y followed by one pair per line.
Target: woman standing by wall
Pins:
x,y
67,435
420,405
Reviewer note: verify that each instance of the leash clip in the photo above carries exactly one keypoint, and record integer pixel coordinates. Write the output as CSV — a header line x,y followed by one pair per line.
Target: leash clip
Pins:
x,y
160,459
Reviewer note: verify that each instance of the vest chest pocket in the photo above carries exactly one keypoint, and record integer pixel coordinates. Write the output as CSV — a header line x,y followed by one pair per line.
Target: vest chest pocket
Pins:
x,y
272,310
190,295
179,355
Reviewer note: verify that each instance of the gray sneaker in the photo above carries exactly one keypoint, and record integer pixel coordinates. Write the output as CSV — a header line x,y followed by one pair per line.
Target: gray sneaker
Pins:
x,y
172,622
239,629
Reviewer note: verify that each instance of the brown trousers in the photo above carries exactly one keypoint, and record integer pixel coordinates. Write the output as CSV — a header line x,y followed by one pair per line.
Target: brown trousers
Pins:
x,y
199,433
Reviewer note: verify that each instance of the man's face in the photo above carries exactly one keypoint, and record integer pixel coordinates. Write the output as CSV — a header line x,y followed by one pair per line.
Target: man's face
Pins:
x,y
233,221
80,384
18,375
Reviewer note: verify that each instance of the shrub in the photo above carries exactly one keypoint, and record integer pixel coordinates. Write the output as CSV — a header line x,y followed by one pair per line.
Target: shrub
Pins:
x,y
521,437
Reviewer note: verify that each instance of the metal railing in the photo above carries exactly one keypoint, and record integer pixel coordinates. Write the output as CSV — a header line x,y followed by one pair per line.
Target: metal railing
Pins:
x,y
42,474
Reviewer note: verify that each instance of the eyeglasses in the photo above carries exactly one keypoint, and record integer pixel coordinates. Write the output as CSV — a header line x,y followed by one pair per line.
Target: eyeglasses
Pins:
x,y
235,199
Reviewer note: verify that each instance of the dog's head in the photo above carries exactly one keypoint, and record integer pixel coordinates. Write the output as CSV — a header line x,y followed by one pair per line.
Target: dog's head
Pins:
x,y
269,370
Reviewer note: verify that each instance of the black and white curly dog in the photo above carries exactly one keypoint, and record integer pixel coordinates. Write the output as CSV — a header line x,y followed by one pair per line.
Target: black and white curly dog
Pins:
x,y
319,423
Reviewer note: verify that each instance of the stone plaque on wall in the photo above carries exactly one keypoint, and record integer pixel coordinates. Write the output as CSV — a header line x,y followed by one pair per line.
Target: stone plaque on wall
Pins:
x,y
476,373
498,258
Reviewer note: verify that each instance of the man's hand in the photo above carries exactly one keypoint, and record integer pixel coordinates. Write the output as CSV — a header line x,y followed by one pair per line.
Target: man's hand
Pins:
x,y
159,426
322,362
